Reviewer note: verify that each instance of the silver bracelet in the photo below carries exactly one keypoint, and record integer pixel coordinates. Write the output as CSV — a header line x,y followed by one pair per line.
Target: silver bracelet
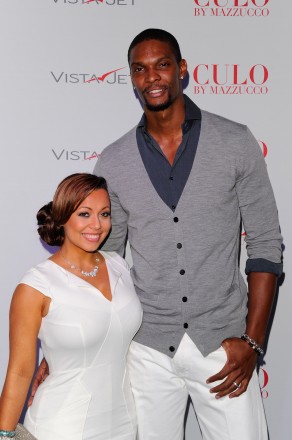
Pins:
x,y
252,343
6,434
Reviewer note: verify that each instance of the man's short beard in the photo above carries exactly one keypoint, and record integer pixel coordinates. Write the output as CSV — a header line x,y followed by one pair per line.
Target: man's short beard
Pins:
x,y
159,107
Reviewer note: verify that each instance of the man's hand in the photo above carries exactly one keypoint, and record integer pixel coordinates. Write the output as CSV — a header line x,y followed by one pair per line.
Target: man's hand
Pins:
x,y
237,371
41,375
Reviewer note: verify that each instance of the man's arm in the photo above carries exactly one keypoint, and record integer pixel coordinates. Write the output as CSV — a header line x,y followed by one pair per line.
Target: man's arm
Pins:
x,y
40,376
263,242
241,358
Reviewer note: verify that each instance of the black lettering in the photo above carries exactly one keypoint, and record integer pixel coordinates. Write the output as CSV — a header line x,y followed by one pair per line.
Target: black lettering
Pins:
x,y
75,155
57,80
56,155
74,76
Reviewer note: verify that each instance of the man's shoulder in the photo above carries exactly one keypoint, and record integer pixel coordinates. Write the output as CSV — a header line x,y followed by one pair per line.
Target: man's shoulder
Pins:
x,y
122,145
116,154
219,121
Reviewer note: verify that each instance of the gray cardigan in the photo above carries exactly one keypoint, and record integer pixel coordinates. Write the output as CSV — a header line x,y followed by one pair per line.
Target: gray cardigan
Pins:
x,y
185,264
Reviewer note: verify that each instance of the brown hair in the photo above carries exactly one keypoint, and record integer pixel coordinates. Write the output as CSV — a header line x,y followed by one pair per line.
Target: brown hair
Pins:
x,y
69,195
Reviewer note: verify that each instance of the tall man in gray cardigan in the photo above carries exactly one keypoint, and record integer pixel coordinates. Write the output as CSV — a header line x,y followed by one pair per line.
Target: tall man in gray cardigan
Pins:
x,y
181,182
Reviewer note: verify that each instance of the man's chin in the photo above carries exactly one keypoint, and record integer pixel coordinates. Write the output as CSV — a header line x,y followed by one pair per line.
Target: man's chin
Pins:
x,y
158,107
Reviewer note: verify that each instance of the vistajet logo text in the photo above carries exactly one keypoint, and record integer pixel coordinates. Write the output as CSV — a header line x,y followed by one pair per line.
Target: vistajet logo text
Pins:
x,y
110,77
62,154
231,8
97,2
230,79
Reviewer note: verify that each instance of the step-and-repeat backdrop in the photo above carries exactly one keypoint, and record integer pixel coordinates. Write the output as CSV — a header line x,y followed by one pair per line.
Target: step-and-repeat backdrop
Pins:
x,y
66,93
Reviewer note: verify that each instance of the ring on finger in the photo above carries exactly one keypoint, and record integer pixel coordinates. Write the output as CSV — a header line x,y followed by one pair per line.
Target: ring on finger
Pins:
x,y
237,385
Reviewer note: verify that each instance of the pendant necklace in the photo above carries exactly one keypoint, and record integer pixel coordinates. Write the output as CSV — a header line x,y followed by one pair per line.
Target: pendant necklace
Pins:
x,y
91,273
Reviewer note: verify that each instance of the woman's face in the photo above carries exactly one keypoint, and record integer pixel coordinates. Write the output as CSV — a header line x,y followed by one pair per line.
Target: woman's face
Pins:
x,y
89,225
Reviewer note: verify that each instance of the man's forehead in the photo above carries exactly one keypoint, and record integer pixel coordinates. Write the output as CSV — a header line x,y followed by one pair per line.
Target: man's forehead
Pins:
x,y
151,48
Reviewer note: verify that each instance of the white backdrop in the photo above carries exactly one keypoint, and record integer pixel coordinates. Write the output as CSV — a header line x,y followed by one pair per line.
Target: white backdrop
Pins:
x,y
66,94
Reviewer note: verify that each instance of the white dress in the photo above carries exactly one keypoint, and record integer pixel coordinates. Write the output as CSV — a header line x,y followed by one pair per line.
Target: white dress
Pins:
x,y
85,340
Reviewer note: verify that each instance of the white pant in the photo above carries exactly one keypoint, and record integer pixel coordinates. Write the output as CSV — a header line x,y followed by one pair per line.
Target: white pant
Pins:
x,y
161,387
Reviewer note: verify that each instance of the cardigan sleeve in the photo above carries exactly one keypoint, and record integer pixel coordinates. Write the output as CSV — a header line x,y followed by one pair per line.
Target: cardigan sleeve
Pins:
x,y
258,210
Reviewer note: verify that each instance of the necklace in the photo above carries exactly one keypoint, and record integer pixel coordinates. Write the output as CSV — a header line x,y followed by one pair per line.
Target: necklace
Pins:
x,y
92,273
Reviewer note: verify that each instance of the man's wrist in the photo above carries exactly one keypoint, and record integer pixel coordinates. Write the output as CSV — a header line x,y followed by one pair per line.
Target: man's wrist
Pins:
x,y
253,344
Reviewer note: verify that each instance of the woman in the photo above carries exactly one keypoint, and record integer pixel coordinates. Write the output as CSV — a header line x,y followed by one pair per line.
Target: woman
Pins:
x,y
82,305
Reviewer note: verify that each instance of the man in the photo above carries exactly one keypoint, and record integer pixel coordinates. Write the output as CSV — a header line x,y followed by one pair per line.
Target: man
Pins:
x,y
181,182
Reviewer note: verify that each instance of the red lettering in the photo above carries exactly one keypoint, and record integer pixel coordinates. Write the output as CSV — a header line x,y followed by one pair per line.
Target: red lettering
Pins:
x,y
253,72
217,3
202,5
255,2
265,377
216,76
235,75
264,148
196,74
237,3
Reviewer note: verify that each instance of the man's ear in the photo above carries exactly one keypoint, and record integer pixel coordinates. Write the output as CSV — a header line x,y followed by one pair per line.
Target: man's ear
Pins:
x,y
183,68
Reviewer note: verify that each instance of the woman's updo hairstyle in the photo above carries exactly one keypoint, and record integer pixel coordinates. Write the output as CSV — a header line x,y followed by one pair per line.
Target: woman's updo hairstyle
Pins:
x,y
69,195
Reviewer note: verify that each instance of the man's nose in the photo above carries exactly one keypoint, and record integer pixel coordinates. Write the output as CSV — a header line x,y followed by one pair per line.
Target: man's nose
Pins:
x,y
152,75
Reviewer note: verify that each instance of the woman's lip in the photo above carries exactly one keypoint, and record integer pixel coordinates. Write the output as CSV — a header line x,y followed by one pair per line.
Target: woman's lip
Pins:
x,y
92,237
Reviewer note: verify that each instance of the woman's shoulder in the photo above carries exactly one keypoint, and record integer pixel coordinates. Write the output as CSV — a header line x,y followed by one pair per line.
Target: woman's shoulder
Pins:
x,y
38,276
115,259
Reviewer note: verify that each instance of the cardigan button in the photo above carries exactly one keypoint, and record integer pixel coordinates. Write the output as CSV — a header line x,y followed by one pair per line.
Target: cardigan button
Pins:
x,y
179,245
184,299
182,271
171,348
175,219
186,325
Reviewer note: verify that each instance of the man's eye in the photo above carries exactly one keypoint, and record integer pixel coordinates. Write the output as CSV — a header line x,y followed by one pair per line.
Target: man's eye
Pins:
x,y
163,64
138,69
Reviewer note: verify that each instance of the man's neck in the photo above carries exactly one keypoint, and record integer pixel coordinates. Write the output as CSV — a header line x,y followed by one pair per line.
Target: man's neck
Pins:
x,y
165,127
168,121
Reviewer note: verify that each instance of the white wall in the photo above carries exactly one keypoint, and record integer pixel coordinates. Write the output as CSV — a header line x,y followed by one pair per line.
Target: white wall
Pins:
x,y
53,120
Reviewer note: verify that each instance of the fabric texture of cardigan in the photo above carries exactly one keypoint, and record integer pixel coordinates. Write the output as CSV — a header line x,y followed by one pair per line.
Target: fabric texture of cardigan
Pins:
x,y
186,263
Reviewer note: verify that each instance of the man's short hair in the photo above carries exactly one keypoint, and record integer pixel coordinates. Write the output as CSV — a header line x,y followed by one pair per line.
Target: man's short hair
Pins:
x,y
160,35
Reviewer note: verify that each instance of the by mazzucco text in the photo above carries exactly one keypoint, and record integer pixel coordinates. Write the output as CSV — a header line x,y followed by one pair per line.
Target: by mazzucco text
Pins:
x,y
230,79
231,8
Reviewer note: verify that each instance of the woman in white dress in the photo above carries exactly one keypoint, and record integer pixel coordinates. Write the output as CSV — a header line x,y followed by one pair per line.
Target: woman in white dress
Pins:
x,y
82,305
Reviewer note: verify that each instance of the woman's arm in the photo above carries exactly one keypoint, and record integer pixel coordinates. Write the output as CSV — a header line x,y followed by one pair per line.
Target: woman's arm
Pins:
x,y
28,306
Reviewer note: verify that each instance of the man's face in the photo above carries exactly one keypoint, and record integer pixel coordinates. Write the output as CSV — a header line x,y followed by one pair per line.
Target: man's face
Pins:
x,y
155,74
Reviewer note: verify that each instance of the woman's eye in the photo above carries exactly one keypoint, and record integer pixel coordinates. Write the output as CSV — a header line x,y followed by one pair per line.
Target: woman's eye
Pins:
x,y
83,214
106,214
